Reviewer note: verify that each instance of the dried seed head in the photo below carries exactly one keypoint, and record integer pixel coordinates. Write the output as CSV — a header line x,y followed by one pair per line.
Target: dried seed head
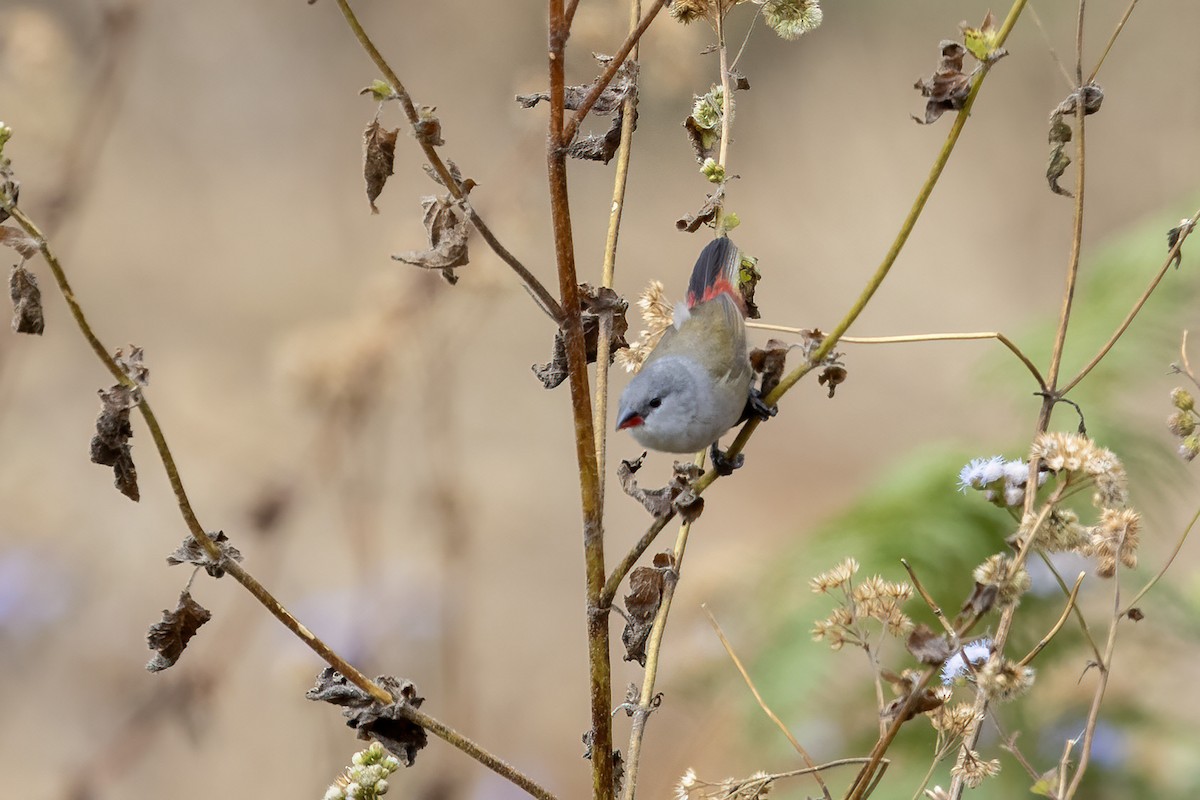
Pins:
x,y
1062,452
997,571
657,315
831,579
1189,448
1182,399
687,11
956,721
1003,679
1181,423
791,19
1116,538
972,769
1059,533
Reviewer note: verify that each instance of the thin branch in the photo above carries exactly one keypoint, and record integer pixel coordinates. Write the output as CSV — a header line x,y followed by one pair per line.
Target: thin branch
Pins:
x,y
233,568
613,584
923,337
727,106
928,598
1009,743
610,72
1050,46
1083,625
1137,306
620,181
1057,626
591,502
1089,731
737,662
1150,584
1112,40
645,703
539,293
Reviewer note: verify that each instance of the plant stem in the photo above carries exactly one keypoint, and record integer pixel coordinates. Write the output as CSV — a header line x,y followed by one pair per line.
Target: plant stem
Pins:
x,y
1137,306
539,293
1112,40
585,441
620,181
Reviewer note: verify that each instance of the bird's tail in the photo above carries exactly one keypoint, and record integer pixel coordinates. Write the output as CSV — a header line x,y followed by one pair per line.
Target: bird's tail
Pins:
x,y
716,273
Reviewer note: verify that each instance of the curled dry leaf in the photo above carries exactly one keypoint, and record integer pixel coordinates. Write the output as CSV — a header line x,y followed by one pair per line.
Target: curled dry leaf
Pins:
x,y
1185,225
601,148
110,444
905,685
25,245
690,223
26,300
387,724
646,588
928,647
594,302
446,228
982,598
1061,134
170,637
623,84
465,185
769,362
428,129
704,140
833,375
379,156
191,552
677,496
948,87
10,187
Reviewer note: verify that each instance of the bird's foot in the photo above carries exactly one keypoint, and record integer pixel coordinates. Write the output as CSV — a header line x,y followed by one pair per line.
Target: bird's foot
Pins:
x,y
756,408
723,464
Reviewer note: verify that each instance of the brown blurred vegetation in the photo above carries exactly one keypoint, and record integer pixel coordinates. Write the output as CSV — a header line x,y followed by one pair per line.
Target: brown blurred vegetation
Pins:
x,y
206,195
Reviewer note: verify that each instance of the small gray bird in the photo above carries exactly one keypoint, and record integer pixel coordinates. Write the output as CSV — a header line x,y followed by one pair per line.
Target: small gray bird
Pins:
x,y
695,384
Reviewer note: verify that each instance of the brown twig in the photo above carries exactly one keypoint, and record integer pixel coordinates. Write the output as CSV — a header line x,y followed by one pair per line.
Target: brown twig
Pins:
x,y
613,584
737,662
1112,40
233,568
1057,626
928,598
1170,559
599,667
539,293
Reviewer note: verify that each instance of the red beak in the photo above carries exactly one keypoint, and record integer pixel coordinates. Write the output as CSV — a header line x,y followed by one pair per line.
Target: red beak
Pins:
x,y
631,420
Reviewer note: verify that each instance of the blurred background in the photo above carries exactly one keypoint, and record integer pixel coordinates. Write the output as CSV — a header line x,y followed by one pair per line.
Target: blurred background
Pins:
x,y
374,442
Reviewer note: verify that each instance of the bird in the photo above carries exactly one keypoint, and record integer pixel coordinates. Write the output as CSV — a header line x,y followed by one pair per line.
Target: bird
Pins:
x,y
696,383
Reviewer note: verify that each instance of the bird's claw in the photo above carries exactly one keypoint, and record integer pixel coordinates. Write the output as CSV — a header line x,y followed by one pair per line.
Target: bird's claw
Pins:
x,y
756,408
723,464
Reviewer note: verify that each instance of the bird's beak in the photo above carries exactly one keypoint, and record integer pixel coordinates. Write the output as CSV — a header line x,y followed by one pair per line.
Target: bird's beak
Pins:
x,y
631,420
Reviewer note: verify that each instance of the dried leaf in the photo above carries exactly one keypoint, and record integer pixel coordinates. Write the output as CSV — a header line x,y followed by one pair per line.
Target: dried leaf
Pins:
x,y
1046,784
594,302
601,148
1135,614
26,300
646,588
465,185
982,598
927,646
388,725
769,362
948,87
623,85
677,496
691,223
191,552
379,155
446,228
170,636
704,140
833,375
1173,238
132,365
428,129
905,685
1061,134
9,186
25,245
740,82
110,445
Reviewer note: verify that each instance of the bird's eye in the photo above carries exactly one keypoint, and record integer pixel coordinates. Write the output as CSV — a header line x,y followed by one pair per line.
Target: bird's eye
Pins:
x,y
655,403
